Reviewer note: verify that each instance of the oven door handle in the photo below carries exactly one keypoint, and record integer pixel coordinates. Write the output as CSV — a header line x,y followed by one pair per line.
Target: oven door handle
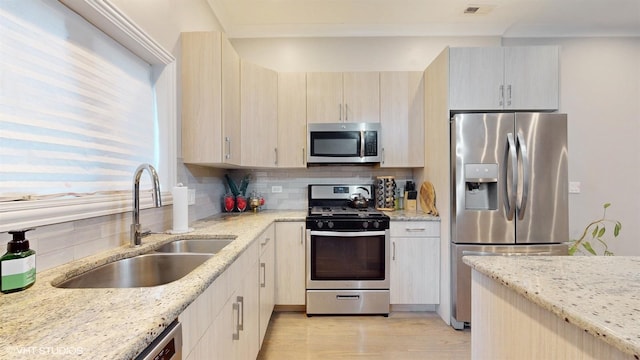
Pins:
x,y
348,233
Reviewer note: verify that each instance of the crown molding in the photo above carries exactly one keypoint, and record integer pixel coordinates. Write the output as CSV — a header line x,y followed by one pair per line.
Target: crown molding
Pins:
x,y
113,22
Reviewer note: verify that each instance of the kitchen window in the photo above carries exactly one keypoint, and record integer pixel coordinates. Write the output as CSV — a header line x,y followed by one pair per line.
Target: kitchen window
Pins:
x,y
79,112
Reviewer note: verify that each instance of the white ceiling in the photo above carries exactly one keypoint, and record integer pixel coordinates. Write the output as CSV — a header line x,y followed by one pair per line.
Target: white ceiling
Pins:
x,y
506,18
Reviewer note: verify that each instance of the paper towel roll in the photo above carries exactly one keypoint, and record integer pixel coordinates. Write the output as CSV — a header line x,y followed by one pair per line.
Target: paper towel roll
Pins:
x,y
180,209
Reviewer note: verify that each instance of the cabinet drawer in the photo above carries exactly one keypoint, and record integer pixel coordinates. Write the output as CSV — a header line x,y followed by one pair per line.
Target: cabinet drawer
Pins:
x,y
415,228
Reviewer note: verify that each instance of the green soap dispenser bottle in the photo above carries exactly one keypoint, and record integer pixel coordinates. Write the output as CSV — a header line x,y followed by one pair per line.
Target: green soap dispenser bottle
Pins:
x,y
18,265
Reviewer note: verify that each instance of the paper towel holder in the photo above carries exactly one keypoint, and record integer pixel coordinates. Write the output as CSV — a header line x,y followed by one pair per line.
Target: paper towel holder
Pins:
x,y
180,210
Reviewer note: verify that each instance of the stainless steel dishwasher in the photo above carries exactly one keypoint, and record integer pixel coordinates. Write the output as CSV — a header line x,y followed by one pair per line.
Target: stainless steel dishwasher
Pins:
x,y
167,346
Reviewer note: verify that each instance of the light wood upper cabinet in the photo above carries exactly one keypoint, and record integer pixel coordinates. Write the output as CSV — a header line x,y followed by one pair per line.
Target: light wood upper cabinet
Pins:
x,y
259,115
402,119
476,78
343,97
499,78
210,75
361,98
292,120
531,74
231,130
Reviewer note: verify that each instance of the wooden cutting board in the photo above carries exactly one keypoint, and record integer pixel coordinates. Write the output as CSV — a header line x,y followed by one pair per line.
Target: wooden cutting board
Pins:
x,y
427,197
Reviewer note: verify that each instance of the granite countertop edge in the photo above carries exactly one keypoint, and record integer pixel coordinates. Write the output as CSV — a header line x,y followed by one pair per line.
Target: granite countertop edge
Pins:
x,y
45,322
553,274
405,215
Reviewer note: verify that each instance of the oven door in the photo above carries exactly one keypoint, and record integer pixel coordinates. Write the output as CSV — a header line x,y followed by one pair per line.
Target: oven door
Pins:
x,y
347,260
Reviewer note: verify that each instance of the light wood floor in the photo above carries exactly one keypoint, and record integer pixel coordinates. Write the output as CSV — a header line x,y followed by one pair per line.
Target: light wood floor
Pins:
x,y
402,335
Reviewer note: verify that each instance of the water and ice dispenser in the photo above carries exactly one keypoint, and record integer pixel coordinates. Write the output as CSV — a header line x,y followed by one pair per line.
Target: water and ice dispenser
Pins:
x,y
481,186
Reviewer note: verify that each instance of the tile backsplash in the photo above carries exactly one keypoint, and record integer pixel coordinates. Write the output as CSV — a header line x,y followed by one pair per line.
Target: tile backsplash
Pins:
x,y
294,181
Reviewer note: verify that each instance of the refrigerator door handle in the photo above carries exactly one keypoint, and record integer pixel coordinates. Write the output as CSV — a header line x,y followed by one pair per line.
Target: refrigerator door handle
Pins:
x,y
526,183
510,156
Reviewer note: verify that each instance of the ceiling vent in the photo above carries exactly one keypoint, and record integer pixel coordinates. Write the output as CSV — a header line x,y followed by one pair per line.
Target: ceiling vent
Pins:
x,y
478,9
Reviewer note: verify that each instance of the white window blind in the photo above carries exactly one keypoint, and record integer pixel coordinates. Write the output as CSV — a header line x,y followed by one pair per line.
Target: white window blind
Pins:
x,y
77,111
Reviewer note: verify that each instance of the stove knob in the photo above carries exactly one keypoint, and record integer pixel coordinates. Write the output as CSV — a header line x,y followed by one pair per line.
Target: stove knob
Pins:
x,y
365,224
319,224
330,224
376,224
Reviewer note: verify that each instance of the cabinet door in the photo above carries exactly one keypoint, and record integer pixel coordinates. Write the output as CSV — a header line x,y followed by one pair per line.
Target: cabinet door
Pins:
x,y
223,335
476,77
292,120
415,270
201,79
402,119
259,107
361,97
231,129
324,97
290,263
249,344
266,278
531,77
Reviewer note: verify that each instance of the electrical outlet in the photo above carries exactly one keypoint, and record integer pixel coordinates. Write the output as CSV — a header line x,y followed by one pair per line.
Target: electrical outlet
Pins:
x,y
574,187
276,189
192,197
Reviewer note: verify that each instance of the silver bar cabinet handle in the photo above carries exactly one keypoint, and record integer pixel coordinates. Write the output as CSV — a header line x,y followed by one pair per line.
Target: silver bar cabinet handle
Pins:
x,y
236,332
240,300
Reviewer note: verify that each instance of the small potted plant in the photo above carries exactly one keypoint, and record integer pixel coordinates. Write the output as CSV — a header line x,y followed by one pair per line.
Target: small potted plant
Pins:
x,y
597,229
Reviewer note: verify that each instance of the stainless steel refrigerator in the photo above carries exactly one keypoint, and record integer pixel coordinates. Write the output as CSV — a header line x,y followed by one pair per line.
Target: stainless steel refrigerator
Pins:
x,y
509,192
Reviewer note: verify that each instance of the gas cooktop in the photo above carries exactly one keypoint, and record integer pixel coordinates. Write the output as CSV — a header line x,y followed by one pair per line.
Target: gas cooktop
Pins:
x,y
332,207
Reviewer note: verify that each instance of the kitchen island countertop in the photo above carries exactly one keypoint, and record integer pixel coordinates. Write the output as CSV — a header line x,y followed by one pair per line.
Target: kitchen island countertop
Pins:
x,y
598,294
45,322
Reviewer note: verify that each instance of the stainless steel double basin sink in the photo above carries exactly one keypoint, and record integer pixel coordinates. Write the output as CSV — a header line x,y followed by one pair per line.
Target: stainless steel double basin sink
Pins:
x,y
168,263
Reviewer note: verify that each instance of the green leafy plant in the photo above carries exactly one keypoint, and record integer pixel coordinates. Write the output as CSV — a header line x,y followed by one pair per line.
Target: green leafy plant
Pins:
x,y
597,229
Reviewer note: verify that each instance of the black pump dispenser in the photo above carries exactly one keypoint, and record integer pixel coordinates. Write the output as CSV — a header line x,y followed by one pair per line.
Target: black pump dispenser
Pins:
x,y
18,264
19,242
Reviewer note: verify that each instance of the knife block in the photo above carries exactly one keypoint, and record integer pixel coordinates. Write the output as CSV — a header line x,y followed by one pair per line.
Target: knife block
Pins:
x,y
411,201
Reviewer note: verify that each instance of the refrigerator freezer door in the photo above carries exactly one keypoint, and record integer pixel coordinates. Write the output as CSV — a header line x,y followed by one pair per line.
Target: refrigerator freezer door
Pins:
x,y
542,214
479,144
461,272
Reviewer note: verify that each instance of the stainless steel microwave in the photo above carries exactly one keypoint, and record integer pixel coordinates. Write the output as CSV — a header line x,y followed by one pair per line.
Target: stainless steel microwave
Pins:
x,y
343,143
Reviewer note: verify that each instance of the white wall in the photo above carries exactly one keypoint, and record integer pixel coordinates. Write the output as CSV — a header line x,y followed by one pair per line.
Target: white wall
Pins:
x,y
600,92
349,53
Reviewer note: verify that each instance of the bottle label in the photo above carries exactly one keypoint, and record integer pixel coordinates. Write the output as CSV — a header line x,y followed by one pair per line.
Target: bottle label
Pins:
x,y
18,273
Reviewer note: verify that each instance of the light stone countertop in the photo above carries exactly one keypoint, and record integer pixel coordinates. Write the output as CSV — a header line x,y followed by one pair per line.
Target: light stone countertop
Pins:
x,y
599,294
44,322
403,215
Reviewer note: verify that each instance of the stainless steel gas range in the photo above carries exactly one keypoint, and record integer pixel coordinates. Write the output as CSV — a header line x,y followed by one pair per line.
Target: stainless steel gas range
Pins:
x,y
347,260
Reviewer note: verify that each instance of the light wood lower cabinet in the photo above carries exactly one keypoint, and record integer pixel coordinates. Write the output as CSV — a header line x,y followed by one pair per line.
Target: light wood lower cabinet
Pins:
x,y
290,263
266,278
223,322
415,262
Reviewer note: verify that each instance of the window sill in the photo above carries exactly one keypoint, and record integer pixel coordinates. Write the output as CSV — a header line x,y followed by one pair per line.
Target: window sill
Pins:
x,y
25,214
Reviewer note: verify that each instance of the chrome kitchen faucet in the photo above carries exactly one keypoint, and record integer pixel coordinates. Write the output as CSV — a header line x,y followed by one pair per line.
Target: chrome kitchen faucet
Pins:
x,y
136,235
